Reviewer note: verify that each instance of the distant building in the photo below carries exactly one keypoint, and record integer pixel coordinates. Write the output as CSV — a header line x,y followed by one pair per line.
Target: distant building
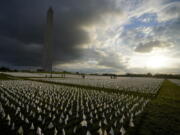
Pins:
x,y
48,46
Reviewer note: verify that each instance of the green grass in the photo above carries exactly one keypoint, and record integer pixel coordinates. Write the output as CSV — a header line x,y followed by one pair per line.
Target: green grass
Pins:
x,y
170,91
5,77
162,115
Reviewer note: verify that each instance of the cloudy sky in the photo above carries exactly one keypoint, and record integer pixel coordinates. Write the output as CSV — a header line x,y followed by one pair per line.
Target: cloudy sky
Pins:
x,y
116,36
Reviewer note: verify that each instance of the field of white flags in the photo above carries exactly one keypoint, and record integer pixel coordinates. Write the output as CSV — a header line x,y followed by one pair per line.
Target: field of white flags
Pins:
x,y
176,81
137,84
29,107
26,74
45,75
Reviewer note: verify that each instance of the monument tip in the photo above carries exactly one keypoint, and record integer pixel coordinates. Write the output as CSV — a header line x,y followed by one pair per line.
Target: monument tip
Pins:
x,y
50,9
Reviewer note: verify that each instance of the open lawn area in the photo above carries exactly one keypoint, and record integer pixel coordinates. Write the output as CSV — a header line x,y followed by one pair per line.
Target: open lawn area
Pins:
x,y
4,77
162,115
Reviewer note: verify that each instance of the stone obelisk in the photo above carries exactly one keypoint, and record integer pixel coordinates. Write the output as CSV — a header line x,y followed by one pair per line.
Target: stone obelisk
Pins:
x,y
48,47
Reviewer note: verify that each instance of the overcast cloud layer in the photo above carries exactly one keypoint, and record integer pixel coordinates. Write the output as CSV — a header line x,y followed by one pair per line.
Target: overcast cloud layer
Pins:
x,y
91,35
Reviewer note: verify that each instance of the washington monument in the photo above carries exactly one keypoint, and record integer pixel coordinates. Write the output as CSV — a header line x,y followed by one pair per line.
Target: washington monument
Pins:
x,y
48,47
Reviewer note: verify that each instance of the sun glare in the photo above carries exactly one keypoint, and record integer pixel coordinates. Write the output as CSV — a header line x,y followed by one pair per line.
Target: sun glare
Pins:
x,y
156,62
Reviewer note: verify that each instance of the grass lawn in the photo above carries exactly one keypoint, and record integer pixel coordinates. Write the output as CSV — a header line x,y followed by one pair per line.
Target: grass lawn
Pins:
x,y
162,115
4,77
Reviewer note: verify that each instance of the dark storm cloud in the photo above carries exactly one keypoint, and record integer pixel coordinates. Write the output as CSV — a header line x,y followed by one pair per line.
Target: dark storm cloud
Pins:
x,y
15,53
22,26
149,46
108,59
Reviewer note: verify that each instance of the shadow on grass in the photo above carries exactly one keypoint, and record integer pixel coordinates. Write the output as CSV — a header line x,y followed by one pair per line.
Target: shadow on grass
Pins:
x,y
5,77
162,115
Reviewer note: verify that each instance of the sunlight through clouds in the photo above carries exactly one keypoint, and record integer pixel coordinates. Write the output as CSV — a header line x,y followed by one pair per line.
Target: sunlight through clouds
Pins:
x,y
93,32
